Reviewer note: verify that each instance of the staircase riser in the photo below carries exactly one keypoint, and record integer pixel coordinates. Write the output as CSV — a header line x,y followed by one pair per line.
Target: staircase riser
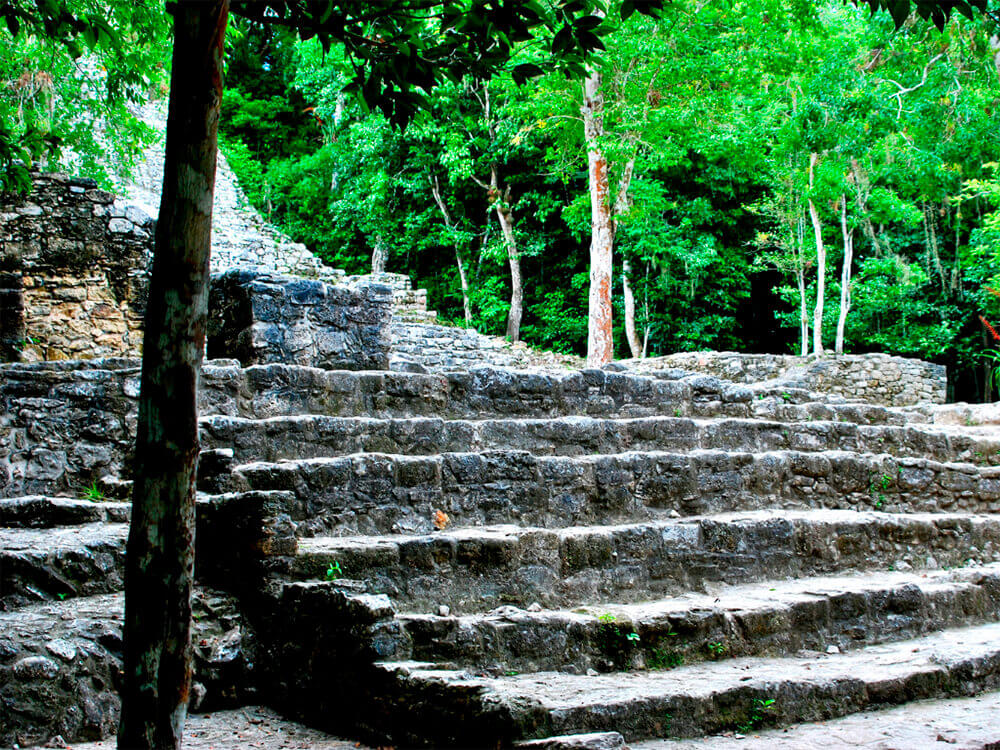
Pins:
x,y
315,437
281,390
27,578
794,703
384,494
631,564
848,620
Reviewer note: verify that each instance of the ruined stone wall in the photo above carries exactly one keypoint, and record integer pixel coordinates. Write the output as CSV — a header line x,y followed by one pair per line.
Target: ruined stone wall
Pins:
x,y
874,378
74,265
261,318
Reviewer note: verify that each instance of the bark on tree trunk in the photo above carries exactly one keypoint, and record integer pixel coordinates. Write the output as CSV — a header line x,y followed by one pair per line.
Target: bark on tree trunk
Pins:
x,y
463,280
800,278
995,46
634,345
516,291
160,553
380,254
845,276
622,205
600,345
820,265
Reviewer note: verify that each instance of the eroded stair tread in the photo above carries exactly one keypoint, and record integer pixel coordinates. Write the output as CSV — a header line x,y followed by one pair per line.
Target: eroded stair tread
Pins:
x,y
40,511
288,437
764,595
44,542
965,723
792,517
872,665
710,696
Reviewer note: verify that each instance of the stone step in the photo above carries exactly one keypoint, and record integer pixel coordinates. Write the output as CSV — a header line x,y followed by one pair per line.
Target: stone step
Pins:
x,y
969,723
263,391
707,698
37,511
769,618
477,569
62,663
378,493
310,436
56,563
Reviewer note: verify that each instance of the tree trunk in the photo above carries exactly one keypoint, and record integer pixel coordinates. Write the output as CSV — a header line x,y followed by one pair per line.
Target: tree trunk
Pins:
x,y
845,276
995,46
820,266
600,345
506,219
159,563
634,345
622,205
463,280
800,278
380,254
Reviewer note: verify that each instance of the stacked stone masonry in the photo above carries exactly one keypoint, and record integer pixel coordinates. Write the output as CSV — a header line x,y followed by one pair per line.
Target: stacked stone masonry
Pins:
x,y
262,318
508,555
73,270
875,378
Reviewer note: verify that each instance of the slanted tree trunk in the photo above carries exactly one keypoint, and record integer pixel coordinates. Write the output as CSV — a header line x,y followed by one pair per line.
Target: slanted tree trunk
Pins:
x,y
380,254
845,276
500,201
600,344
506,218
159,564
820,265
446,215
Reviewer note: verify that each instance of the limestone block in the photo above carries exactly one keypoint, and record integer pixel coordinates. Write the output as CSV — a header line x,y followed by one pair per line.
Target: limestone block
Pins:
x,y
261,318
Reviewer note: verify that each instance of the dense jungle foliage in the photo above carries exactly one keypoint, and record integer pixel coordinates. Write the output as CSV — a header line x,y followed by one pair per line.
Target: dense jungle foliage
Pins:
x,y
719,108
744,131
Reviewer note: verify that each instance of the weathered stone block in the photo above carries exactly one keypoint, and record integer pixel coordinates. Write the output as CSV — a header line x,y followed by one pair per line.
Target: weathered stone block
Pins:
x,y
259,318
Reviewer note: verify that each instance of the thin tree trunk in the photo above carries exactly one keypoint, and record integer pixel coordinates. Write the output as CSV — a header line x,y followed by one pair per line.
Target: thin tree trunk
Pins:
x,y
800,278
501,201
159,563
380,254
930,234
634,345
845,276
446,215
600,344
995,46
622,205
820,265
506,219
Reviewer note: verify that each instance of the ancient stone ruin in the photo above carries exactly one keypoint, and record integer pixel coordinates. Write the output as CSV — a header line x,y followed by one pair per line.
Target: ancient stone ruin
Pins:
x,y
408,549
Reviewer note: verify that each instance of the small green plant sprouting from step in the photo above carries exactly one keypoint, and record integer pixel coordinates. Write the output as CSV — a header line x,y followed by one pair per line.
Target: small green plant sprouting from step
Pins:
x,y
616,642
94,493
786,397
716,649
664,658
758,713
678,413
334,571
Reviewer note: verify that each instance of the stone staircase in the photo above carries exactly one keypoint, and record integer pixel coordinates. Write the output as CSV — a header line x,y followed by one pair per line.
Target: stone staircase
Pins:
x,y
494,556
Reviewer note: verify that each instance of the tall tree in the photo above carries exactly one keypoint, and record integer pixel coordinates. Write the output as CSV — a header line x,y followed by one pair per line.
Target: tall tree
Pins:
x,y
409,57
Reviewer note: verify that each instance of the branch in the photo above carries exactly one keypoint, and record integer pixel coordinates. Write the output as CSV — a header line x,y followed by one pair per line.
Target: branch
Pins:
x,y
903,91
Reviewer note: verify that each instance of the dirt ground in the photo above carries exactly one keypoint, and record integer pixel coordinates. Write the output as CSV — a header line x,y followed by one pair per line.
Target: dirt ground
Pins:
x,y
248,727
